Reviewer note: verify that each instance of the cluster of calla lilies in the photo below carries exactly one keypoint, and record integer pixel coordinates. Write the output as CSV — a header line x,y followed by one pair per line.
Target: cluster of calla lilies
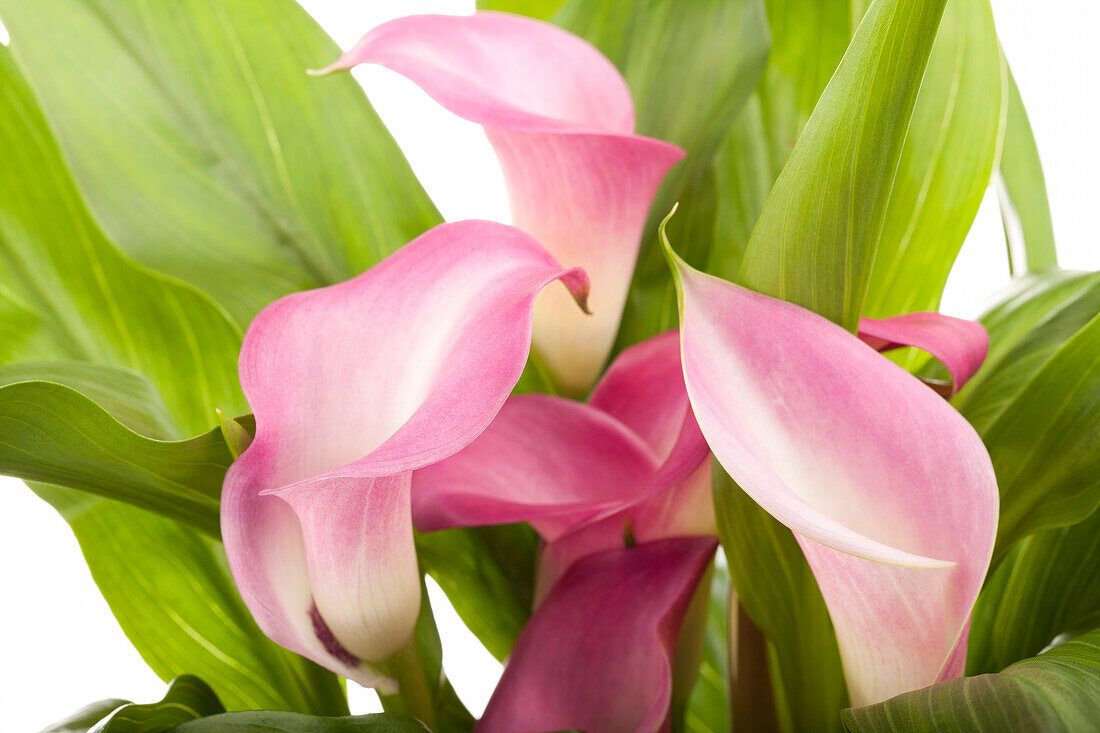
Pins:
x,y
383,404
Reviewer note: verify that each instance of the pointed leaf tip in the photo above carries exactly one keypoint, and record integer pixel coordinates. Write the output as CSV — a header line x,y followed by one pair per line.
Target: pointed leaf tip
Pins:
x,y
236,437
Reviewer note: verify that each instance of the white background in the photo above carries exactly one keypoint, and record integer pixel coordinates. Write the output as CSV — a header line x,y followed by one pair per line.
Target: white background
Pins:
x,y
60,648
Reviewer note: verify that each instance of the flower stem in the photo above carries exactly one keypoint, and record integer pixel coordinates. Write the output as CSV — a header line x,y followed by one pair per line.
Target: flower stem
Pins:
x,y
414,697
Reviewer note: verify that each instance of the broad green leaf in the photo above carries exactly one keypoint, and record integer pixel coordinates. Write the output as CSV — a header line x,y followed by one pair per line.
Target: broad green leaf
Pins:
x,y
269,722
487,574
85,718
776,588
167,585
170,590
1045,587
708,705
188,698
91,303
541,9
809,38
1045,443
1023,194
205,150
946,162
816,238
52,433
1053,692
690,67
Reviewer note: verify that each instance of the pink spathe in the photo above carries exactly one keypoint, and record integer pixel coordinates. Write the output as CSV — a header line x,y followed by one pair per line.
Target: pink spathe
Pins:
x,y
889,491
353,387
560,118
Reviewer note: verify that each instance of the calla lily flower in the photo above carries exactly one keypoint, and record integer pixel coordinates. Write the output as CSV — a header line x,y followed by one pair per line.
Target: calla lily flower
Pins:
x,y
888,490
614,618
630,469
561,120
353,387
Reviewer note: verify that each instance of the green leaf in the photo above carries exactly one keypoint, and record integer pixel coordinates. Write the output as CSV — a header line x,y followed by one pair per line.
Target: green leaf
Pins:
x,y
946,162
776,588
92,304
708,704
815,241
1044,442
51,433
86,717
690,67
170,590
1045,587
187,698
541,9
1056,691
1023,194
268,722
488,576
206,151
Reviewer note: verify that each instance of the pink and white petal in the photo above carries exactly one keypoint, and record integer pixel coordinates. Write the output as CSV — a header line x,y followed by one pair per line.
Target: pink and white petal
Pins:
x,y
547,460
597,654
263,540
358,540
959,344
853,454
403,365
644,389
684,510
560,119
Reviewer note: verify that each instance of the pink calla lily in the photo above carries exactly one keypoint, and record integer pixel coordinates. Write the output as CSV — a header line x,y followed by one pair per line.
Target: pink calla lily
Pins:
x,y
353,387
630,467
888,490
960,345
614,617
561,120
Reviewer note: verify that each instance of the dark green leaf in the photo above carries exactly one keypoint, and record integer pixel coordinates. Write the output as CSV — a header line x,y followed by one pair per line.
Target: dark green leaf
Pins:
x,y
488,575
1056,691
708,705
268,722
188,698
1024,208
207,152
776,588
1046,586
816,238
53,434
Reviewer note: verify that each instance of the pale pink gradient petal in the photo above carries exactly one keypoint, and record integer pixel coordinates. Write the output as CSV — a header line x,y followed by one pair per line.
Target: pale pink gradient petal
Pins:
x,y
353,386
890,491
959,344
560,119
547,460
597,655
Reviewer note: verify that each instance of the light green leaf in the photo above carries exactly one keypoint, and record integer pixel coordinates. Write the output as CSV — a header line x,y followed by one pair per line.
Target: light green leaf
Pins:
x,y
1023,194
946,163
776,588
488,575
541,9
91,303
85,718
187,698
708,704
816,238
1045,587
170,590
1053,692
205,150
52,433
